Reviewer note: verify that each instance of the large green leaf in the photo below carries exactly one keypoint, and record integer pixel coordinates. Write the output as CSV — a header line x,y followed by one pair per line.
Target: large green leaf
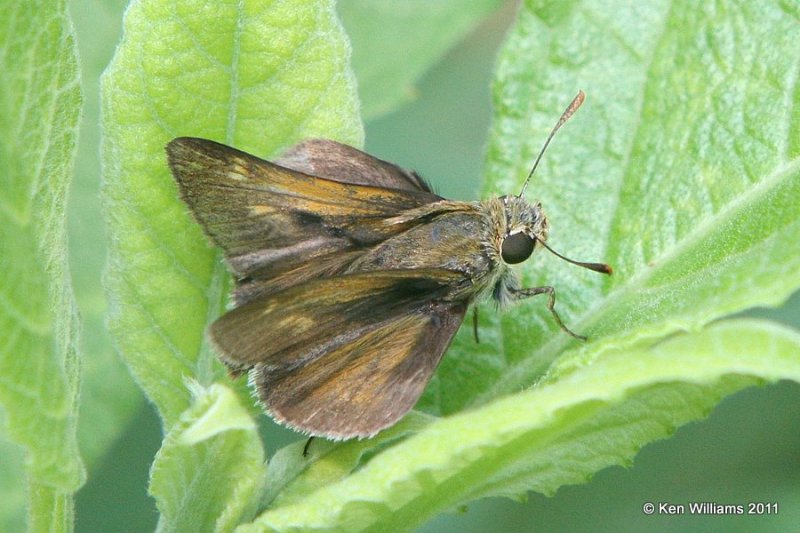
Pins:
x,y
268,75
40,104
680,170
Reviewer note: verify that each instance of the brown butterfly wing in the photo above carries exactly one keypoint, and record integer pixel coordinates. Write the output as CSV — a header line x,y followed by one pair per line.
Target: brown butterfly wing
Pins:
x,y
270,220
347,356
339,162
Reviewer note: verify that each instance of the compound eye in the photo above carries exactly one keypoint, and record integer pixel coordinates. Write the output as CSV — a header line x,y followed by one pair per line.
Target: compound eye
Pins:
x,y
516,248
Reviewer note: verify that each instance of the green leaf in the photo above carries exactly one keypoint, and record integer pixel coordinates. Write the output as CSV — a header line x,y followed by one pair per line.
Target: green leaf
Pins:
x,y
680,170
268,75
40,98
414,34
558,433
209,471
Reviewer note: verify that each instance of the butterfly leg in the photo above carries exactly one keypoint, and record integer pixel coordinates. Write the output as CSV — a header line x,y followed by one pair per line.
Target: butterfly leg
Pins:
x,y
475,324
305,448
519,294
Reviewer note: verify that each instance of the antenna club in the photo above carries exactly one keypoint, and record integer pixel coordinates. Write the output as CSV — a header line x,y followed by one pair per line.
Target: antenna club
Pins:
x,y
577,101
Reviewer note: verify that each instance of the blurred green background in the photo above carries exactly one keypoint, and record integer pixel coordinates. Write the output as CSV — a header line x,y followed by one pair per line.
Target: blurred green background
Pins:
x,y
748,450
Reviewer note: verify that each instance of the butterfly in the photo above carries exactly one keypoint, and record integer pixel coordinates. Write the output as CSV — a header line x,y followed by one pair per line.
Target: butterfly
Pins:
x,y
352,275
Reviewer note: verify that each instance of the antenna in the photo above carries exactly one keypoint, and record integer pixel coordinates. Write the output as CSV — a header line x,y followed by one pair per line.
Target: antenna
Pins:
x,y
597,267
571,108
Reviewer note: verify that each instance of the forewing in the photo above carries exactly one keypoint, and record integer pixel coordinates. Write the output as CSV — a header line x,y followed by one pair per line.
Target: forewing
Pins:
x,y
346,356
340,162
269,219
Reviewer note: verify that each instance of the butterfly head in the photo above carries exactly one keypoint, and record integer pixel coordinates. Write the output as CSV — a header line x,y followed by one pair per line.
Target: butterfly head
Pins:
x,y
525,225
